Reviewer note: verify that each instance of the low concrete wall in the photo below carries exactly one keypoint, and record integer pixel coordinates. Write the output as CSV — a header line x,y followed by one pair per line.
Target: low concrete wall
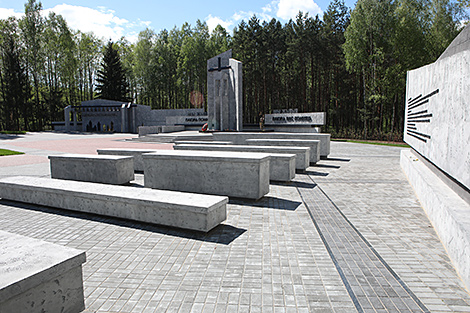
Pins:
x,y
135,153
107,169
314,145
302,154
177,209
37,276
448,213
241,175
202,142
294,129
147,130
281,166
239,138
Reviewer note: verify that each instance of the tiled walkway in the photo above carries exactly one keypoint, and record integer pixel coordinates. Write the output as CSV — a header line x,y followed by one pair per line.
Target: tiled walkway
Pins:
x,y
347,236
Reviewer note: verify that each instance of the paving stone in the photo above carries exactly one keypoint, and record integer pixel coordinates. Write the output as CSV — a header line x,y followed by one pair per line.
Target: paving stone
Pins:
x,y
268,256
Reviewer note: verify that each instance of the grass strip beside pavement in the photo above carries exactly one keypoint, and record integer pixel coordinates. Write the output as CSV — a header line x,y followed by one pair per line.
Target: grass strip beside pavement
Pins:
x,y
13,132
371,142
9,152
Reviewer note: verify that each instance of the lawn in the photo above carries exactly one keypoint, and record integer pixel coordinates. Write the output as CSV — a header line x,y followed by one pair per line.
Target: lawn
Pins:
x,y
9,152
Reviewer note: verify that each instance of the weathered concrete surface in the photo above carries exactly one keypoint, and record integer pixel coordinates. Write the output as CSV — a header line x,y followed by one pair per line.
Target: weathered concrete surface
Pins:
x,y
183,210
134,267
437,118
241,175
281,166
302,154
225,92
107,169
313,144
240,138
202,142
37,276
135,153
446,210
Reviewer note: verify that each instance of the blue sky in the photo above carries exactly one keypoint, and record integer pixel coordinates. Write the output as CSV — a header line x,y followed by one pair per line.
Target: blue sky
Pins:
x,y
113,19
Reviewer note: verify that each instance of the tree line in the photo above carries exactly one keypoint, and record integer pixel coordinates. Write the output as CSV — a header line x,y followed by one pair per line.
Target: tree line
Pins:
x,y
349,63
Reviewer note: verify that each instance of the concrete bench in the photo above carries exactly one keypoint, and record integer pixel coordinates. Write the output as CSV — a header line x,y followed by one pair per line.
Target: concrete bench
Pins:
x,y
302,155
177,209
241,137
241,175
314,145
106,169
201,142
281,166
38,276
136,153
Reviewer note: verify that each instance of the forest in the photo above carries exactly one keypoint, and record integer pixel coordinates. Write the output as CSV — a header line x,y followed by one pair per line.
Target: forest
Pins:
x,y
350,63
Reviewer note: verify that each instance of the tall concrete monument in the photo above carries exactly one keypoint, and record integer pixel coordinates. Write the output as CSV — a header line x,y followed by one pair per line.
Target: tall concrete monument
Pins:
x,y
437,127
224,93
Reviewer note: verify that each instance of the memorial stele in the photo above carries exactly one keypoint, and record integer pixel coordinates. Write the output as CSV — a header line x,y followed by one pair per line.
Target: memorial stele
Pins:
x,y
437,115
437,127
224,93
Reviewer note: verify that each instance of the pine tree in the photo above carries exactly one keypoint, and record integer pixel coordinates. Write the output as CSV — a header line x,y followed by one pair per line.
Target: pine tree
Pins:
x,y
112,83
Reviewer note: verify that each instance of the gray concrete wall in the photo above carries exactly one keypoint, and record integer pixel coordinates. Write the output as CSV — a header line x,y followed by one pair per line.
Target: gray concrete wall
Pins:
x,y
437,116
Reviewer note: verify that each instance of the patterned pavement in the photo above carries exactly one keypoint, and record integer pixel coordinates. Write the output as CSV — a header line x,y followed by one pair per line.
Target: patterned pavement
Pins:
x,y
349,235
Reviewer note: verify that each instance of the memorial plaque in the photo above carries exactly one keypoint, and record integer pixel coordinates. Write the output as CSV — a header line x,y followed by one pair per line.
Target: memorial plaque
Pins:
x,y
295,119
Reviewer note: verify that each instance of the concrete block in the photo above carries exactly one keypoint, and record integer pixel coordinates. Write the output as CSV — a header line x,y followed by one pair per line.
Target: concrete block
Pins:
x,y
314,145
240,138
136,153
281,166
37,276
202,142
177,209
448,213
302,154
242,175
107,169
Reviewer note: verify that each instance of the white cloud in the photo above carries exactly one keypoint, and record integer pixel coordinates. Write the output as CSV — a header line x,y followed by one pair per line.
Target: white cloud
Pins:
x,y
101,21
288,9
283,9
6,13
213,21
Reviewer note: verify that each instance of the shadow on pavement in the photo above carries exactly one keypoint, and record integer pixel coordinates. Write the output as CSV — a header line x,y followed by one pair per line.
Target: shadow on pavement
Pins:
x,y
268,202
222,234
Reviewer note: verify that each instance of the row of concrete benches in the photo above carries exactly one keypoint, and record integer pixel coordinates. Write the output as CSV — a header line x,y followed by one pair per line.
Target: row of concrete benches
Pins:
x,y
40,277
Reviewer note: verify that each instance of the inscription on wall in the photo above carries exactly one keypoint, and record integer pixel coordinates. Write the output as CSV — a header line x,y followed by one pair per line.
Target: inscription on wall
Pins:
x,y
417,114
295,119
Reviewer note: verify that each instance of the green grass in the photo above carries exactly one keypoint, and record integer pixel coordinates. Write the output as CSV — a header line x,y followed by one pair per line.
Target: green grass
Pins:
x,y
12,132
9,152
378,143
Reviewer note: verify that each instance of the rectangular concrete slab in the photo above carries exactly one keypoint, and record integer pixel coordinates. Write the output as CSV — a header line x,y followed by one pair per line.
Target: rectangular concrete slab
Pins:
x,y
240,138
177,209
107,169
199,142
314,145
281,166
136,153
38,276
233,174
302,154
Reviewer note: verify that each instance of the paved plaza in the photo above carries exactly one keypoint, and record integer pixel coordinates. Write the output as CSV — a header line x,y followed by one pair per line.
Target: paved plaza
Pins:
x,y
348,235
